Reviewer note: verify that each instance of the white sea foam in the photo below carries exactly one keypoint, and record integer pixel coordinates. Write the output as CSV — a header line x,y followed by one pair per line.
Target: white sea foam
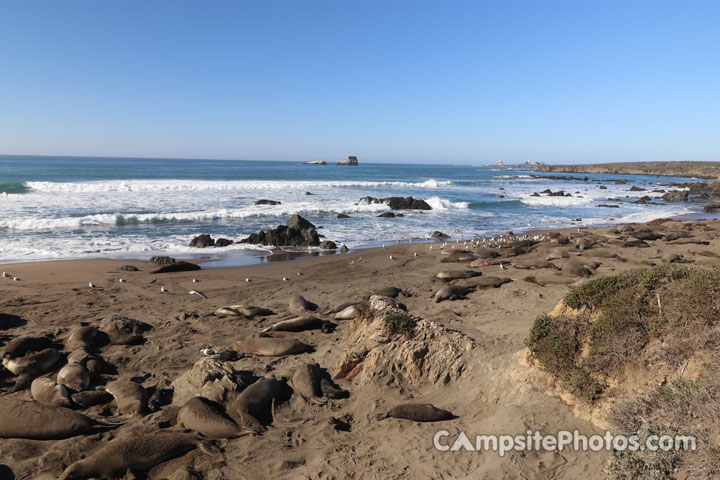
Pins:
x,y
204,185
438,203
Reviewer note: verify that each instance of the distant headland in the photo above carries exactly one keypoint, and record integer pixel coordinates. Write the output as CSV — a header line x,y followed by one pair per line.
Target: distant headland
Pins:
x,y
669,169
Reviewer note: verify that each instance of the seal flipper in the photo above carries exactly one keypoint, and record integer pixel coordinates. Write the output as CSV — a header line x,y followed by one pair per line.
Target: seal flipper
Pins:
x,y
382,416
22,382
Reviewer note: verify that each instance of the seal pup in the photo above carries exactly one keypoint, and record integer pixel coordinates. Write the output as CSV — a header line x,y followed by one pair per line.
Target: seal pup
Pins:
x,y
131,397
34,420
137,454
270,347
298,304
306,381
50,392
74,376
209,419
21,346
417,412
81,337
247,311
452,292
342,307
457,274
297,324
459,257
254,402
30,366
347,314
90,398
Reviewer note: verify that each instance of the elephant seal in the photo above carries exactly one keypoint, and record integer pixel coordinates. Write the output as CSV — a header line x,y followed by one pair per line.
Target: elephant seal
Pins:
x,y
50,392
137,454
21,346
296,325
330,391
131,397
270,347
342,307
533,264
306,380
254,402
78,357
209,419
30,366
247,311
74,376
347,314
417,412
390,292
458,257
34,420
452,292
543,280
298,304
490,282
457,274
81,337
90,398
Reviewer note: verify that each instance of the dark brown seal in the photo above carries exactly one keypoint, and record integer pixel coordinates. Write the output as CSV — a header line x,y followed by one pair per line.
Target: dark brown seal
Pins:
x,y
417,412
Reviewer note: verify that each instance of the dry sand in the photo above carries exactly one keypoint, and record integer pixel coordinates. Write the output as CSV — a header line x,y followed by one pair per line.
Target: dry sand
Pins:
x,y
301,442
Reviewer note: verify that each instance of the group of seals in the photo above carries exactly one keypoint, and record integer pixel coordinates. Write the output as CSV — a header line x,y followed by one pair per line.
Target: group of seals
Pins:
x,y
210,419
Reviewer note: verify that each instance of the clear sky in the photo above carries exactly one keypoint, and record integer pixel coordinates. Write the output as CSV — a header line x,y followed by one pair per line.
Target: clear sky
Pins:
x,y
400,81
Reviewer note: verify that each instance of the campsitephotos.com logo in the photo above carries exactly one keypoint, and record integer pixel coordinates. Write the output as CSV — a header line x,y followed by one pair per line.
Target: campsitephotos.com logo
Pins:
x,y
562,440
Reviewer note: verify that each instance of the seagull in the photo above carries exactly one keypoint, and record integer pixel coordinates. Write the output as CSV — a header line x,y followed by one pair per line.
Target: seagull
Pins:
x,y
91,285
17,279
248,280
122,280
352,262
502,267
195,280
208,351
415,254
430,247
392,258
6,275
299,274
198,293
286,279
163,289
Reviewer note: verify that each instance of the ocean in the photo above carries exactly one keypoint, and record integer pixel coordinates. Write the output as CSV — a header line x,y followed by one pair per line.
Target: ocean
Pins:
x,y
68,207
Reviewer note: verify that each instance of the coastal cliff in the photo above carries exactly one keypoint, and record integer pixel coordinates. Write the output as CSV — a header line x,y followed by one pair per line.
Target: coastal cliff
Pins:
x,y
670,169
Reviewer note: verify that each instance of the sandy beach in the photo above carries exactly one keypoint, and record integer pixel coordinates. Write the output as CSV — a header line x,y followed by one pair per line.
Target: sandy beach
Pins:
x,y
338,438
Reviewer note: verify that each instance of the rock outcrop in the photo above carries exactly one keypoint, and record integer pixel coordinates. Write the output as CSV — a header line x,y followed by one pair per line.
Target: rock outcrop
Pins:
x,y
205,241
210,378
397,203
297,232
422,352
349,160
676,196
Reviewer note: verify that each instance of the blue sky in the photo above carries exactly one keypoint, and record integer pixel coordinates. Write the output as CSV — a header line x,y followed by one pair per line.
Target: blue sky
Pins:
x,y
441,81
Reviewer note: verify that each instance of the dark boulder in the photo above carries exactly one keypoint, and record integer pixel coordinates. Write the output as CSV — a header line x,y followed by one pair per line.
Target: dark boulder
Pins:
x,y
223,242
712,208
342,215
407,203
202,241
676,196
129,268
439,235
297,232
637,189
268,202
162,260
328,245
387,215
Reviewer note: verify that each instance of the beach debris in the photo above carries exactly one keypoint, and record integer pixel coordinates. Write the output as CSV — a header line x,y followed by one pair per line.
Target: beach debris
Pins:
x,y
163,289
198,293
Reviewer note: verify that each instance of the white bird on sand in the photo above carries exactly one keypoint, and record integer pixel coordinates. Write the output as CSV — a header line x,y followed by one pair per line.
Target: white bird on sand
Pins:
x,y
415,254
502,267
208,351
122,280
248,280
17,279
392,258
299,274
195,280
286,279
6,275
91,285
430,247
198,293
163,289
